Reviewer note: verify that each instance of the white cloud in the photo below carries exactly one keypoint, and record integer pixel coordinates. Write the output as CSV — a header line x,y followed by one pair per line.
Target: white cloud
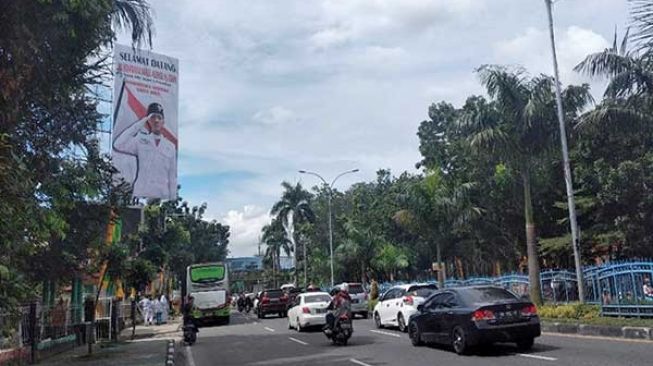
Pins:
x,y
245,227
531,49
276,115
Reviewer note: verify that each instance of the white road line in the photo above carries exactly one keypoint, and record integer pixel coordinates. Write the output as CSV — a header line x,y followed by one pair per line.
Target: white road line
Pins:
x,y
538,357
359,362
385,333
191,360
298,341
269,329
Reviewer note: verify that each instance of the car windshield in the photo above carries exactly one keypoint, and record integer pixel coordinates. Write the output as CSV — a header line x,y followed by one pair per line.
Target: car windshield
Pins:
x,y
356,289
483,295
422,291
316,298
274,294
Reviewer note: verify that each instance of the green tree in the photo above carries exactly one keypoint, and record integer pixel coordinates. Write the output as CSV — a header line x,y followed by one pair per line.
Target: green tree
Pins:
x,y
294,207
518,125
274,237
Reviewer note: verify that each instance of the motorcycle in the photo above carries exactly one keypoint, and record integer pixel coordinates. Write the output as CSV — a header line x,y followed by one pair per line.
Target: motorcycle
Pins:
x,y
342,330
190,333
241,305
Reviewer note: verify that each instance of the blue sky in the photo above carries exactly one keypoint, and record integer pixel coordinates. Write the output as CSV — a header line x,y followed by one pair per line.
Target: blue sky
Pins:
x,y
271,87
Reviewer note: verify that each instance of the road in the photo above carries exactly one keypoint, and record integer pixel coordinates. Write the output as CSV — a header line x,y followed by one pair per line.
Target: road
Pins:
x,y
251,341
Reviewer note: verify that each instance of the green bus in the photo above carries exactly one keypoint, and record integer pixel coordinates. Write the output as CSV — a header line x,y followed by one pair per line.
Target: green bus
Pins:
x,y
208,283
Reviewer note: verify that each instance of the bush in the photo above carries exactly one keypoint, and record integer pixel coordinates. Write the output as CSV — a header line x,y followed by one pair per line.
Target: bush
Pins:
x,y
569,311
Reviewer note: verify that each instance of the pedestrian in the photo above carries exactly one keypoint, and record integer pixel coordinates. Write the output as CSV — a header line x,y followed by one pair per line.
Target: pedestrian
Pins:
x,y
158,313
165,308
146,309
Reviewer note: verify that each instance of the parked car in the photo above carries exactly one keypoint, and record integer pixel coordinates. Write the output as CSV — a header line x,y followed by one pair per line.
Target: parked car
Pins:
x,y
470,316
358,295
308,309
399,303
272,301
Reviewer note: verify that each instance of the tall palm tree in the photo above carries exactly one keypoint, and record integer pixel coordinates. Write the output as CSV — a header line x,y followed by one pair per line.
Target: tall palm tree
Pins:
x,y
294,207
275,239
519,125
360,246
136,15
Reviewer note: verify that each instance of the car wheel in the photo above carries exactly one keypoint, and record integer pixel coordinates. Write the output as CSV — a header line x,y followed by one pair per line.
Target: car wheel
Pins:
x,y
459,341
415,335
525,344
365,314
402,323
299,326
377,320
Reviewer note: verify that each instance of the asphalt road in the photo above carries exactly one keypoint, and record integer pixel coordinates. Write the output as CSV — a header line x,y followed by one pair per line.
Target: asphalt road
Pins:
x,y
251,341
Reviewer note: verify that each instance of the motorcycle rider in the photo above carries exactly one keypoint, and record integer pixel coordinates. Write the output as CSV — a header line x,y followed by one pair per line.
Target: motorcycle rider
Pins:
x,y
339,305
187,311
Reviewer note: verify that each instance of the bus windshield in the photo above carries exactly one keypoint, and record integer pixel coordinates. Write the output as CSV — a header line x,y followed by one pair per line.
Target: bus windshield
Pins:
x,y
207,273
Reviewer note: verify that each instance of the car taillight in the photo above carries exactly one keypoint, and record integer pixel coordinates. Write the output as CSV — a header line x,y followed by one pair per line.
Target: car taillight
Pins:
x,y
483,315
306,310
530,310
344,317
284,298
408,300
265,300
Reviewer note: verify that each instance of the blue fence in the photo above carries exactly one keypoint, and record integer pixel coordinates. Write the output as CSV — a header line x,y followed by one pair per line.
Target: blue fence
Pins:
x,y
621,288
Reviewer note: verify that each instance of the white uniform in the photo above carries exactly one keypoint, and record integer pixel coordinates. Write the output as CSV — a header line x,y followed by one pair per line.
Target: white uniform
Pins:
x,y
148,312
164,309
157,161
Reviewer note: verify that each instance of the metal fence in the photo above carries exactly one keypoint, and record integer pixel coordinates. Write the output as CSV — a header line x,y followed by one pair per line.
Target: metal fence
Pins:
x,y
33,331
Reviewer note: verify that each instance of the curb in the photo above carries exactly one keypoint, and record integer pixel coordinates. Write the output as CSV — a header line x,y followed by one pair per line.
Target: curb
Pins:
x,y
170,353
641,333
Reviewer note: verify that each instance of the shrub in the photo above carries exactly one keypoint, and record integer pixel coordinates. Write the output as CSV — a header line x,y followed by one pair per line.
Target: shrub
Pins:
x,y
569,311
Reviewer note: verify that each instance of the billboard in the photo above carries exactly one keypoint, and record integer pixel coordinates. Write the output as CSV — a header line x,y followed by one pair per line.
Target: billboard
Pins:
x,y
144,133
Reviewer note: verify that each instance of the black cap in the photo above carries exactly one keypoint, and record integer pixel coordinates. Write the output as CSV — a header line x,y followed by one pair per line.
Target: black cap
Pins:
x,y
154,108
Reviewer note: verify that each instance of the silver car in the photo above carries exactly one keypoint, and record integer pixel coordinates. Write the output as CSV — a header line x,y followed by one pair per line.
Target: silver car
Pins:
x,y
359,297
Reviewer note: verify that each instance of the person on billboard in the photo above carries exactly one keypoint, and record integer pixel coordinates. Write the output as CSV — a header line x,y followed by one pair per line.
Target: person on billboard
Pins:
x,y
156,156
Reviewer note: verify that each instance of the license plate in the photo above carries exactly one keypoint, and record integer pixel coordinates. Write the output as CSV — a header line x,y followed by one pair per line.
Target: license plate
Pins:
x,y
274,300
355,301
345,326
320,311
509,314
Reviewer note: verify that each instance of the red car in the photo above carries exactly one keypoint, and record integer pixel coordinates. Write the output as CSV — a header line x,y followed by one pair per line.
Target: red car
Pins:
x,y
272,302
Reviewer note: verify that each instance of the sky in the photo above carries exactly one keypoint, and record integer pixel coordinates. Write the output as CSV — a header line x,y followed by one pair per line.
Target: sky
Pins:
x,y
269,87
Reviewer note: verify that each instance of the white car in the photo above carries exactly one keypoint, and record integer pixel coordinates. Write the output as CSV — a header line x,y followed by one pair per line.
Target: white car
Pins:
x,y
309,309
397,304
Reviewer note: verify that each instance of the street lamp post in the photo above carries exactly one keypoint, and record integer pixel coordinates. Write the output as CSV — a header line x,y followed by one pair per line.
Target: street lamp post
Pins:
x,y
329,198
565,160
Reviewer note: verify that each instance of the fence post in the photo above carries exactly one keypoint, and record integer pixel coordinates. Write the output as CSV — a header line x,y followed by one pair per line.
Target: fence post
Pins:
x,y
33,333
133,316
90,322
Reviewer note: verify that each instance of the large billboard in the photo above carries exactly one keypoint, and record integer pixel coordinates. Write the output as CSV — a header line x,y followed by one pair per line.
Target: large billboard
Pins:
x,y
145,124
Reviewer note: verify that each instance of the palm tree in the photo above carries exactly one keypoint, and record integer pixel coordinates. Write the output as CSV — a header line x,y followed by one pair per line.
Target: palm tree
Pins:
x,y
134,14
275,239
437,210
293,207
390,259
360,246
519,126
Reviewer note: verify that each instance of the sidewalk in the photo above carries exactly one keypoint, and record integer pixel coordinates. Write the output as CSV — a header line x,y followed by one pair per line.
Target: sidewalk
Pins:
x,y
149,348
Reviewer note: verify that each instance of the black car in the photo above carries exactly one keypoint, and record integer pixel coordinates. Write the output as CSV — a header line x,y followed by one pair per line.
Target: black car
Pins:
x,y
470,316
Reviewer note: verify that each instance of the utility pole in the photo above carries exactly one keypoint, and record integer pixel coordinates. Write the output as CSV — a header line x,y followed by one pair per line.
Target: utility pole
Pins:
x,y
565,159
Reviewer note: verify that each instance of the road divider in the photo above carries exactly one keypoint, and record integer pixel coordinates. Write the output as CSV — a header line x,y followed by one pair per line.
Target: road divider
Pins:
x,y
298,341
269,329
385,333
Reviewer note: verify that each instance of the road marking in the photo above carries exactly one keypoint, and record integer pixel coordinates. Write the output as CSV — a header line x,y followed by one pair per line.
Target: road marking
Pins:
x,y
191,360
359,362
538,357
269,329
612,339
298,341
385,333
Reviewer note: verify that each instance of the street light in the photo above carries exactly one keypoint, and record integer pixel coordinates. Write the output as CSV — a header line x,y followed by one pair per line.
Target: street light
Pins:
x,y
565,160
329,195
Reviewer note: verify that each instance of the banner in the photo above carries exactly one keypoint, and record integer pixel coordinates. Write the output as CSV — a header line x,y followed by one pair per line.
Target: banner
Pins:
x,y
144,134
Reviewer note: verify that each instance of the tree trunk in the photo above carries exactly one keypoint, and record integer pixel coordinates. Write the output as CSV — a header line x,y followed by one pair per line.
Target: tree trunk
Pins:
x,y
440,266
534,284
305,265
